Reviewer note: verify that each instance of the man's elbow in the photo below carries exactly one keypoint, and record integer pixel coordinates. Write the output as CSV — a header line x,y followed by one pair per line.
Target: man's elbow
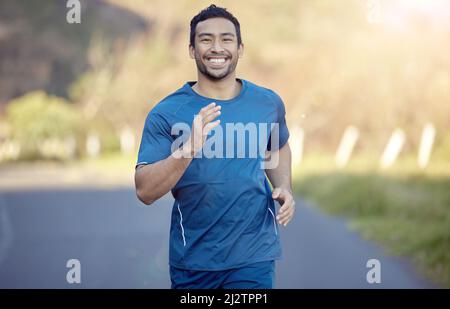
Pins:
x,y
144,197
142,193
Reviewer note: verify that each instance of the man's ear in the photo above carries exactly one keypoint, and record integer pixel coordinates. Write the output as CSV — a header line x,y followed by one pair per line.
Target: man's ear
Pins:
x,y
191,51
241,50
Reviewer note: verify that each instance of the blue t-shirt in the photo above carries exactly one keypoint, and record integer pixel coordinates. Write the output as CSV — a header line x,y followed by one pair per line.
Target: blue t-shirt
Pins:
x,y
223,215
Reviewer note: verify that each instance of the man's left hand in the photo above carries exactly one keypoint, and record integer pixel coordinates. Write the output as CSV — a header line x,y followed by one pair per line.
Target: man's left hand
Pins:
x,y
286,200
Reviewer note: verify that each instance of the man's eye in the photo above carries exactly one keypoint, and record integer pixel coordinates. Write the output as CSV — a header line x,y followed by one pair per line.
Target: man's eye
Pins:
x,y
205,40
228,40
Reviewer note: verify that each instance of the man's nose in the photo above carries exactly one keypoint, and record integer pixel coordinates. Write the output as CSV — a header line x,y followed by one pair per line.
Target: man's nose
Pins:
x,y
217,47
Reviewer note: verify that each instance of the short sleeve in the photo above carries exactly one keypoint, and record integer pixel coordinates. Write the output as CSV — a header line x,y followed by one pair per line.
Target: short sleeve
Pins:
x,y
156,140
280,127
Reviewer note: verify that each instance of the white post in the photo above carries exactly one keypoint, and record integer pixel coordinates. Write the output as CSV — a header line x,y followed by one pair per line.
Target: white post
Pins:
x,y
393,148
93,145
346,146
70,146
296,145
426,144
9,150
127,141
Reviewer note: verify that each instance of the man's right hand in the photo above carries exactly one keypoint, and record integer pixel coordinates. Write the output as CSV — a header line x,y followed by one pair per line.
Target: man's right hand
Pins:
x,y
201,126
156,179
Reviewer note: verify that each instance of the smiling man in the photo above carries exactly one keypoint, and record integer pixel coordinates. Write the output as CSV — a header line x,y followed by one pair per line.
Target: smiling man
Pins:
x,y
224,231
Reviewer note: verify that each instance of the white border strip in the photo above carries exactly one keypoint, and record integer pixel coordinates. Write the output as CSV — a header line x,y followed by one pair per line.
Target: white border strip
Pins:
x,y
181,224
274,222
141,163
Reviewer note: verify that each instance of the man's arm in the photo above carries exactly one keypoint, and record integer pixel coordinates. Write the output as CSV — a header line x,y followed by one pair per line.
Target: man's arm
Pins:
x,y
154,180
281,180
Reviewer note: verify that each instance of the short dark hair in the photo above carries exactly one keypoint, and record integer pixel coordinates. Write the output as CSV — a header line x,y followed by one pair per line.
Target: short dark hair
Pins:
x,y
213,11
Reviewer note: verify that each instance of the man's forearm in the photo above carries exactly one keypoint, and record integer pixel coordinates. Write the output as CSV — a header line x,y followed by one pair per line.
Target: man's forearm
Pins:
x,y
280,177
154,180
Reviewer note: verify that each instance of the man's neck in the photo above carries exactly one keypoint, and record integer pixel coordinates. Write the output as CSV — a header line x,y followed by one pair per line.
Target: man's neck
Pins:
x,y
224,89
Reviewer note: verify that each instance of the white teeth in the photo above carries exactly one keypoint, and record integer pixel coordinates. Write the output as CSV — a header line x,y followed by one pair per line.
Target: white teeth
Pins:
x,y
217,60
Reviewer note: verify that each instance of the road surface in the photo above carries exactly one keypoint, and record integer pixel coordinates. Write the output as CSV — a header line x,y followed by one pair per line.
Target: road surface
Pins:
x,y
121,243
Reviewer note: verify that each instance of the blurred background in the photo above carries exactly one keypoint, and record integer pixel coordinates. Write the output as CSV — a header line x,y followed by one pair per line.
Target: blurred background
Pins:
x,y
366,87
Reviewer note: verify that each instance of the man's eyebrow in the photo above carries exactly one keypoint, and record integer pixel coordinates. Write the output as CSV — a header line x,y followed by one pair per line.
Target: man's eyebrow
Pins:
x,y
210,34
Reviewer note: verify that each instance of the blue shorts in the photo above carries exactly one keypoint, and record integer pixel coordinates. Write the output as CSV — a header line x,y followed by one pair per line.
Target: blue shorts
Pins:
x,y
254,276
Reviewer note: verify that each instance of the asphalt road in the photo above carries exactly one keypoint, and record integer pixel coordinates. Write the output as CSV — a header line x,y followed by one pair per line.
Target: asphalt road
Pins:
x,y
121,243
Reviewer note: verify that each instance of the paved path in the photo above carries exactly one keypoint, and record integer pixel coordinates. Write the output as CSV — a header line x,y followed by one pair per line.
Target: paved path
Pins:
x,y
123,244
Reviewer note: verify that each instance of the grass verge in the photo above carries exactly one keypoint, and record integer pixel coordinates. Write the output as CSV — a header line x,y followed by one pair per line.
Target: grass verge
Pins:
x,y
404,209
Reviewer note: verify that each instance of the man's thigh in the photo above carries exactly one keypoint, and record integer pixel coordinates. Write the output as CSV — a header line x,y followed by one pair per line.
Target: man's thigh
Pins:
x,y
258,275
192,279
254,276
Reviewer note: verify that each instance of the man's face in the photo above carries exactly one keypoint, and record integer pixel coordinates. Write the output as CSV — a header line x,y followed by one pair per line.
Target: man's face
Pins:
x,y
216,49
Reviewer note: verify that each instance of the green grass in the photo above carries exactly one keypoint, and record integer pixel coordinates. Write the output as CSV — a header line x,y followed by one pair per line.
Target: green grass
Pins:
x,y
405,209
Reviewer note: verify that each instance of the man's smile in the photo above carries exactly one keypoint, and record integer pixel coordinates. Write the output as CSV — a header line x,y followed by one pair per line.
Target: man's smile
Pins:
x,y
217,62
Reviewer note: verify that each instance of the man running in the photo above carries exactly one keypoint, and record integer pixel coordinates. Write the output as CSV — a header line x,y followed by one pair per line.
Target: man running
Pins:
x,y
224,231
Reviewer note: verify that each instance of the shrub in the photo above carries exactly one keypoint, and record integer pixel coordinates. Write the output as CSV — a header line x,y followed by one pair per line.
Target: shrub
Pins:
x,y
36,118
